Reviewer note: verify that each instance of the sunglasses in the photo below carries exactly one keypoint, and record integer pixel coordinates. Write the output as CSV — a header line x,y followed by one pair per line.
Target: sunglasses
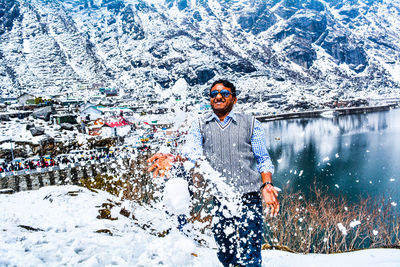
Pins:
x,y
224,93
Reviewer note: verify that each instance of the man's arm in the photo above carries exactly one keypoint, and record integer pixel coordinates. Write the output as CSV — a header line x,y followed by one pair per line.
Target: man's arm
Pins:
x,y
265,167
269,194
192,150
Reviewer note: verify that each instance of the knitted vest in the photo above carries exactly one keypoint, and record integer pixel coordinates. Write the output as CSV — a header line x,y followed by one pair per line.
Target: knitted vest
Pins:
x,y
229,151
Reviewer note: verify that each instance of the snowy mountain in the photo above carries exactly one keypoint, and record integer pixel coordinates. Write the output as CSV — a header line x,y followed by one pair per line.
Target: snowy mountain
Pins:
x,y
326,49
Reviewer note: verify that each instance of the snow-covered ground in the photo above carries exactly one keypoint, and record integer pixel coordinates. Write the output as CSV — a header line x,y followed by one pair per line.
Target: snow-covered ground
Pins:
x,y
63,221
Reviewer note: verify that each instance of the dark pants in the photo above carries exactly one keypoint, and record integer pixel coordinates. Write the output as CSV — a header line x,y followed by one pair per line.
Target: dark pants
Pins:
x,y
239,238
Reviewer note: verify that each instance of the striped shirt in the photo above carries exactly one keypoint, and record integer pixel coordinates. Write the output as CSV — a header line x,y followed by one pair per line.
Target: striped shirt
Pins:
x,y
194,143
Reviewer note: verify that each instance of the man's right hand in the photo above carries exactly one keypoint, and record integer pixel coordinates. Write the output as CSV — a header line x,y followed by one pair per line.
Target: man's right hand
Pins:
x,y
270,196
162,164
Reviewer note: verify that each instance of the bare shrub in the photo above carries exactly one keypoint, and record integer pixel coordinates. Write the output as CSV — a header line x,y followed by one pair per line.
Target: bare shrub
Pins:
x,y
139,185
103,182
330,224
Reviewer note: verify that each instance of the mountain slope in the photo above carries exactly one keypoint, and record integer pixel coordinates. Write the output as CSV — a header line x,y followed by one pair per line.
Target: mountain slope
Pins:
x,y
330,49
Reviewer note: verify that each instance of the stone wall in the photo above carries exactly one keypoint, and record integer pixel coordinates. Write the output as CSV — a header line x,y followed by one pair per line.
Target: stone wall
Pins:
x,y
24,180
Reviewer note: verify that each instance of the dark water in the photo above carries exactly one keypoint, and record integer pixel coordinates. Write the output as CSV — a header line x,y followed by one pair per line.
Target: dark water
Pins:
x,y
352,155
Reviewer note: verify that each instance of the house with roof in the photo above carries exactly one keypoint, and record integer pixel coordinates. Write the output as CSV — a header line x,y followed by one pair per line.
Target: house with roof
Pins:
x,y
115,111
91,113
109,127
85,106
23,99
8,100
95,129
117,126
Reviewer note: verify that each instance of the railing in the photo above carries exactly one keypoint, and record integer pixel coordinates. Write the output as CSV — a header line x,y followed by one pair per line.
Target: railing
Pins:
x,y
56,168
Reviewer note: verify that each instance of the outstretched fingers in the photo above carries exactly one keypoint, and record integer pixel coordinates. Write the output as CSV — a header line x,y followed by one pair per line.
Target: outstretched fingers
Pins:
x,y
155,173
152,167
272,209
154,157
162,164
275,192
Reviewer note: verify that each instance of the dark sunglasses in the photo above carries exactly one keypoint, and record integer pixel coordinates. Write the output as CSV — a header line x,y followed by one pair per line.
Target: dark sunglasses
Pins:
x,y
224,93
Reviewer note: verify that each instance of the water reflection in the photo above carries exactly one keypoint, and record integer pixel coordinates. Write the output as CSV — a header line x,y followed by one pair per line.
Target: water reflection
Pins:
x,y
352,154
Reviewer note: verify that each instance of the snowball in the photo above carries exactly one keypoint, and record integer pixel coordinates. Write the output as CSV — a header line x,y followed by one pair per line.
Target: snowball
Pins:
x,y
176,196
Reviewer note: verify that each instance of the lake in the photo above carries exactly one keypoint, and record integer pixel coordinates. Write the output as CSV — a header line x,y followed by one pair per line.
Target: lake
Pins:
x,y
353,155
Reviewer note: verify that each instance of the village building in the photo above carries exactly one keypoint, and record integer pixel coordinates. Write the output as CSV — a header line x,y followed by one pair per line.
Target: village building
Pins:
x,y
23,99
110,127
111,92
95,128
91,113
71,102
64,118
8,100
115,111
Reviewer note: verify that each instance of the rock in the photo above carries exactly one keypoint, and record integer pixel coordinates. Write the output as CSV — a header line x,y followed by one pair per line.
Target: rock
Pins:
x,y
351,14
288,8
4,117
258,21
301,53
43,113
36,131
204,75
306,24
9,11
200,76
131,24
29,126
159,50
346,51
315,5
242,66
197,16
105,214
115,5
182,4
30,228
104,231
67,126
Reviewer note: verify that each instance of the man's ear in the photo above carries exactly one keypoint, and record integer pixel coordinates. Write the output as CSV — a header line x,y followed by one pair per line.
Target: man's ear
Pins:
x,y
234,100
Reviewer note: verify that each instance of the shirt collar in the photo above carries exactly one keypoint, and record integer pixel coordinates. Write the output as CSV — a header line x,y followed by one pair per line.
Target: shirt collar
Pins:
x,y
214,116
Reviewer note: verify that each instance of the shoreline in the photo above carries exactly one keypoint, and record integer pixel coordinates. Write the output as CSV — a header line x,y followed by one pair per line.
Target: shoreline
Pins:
x,y
317,113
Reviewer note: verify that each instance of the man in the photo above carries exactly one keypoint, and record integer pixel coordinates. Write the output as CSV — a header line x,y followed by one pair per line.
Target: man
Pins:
x,y
233,143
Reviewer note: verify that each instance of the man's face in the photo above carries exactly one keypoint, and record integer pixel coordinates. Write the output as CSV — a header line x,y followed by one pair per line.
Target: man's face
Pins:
x,y
219,103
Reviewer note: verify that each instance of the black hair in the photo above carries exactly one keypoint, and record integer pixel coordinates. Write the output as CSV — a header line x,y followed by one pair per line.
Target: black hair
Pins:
x,y
227,84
